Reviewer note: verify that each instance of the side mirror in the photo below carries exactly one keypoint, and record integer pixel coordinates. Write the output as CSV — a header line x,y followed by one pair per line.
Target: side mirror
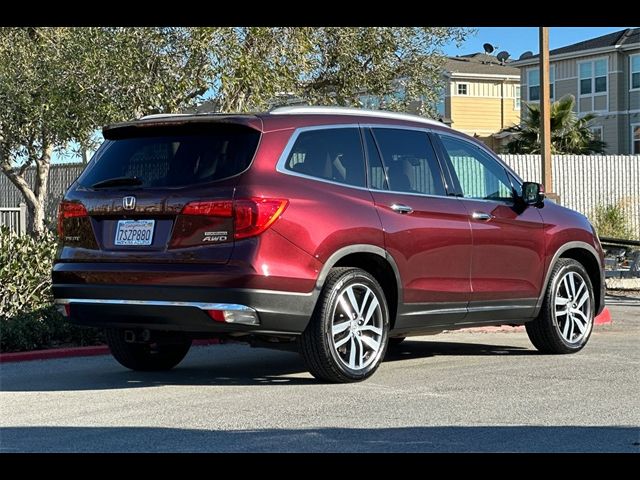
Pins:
x,y
532,193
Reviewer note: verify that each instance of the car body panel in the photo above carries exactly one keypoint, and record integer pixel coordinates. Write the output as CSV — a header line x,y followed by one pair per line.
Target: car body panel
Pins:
x,y
449,270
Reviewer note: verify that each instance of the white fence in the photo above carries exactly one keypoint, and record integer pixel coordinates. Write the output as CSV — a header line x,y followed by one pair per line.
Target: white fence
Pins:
x,y
14,218
586,181
582,181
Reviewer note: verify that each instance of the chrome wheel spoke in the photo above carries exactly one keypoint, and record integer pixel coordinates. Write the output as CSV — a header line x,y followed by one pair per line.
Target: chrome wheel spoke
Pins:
x,y
339,343
572,284
352,300
566,326
371,328
583,299
360,351
346,308
372,308
370,342
364,303
340,327
352,354
561,300
579,323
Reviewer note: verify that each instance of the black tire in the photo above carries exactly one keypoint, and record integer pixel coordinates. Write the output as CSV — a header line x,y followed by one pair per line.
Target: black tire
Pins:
x,y
317,342
395,341
147,357
545,331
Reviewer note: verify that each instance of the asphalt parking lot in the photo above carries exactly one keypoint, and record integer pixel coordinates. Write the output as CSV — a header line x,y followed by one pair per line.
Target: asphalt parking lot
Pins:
x,y
453,392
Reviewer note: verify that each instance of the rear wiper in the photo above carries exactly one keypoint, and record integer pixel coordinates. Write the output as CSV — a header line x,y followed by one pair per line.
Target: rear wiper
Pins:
x,y
117,181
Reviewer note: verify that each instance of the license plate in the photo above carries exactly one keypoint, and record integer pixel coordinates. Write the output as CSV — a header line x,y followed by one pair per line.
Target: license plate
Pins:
x,y
134,232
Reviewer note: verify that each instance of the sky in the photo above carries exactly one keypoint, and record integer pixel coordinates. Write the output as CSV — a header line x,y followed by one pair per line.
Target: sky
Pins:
x,y
517,40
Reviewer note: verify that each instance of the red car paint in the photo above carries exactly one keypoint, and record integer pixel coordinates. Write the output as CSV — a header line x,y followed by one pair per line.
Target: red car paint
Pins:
x,y
451,270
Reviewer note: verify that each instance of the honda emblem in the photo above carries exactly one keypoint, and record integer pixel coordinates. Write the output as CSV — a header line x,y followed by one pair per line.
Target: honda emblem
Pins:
x,y
129,203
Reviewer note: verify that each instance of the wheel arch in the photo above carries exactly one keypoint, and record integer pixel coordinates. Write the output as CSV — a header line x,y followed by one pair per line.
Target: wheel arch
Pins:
x,y
374,260
588,257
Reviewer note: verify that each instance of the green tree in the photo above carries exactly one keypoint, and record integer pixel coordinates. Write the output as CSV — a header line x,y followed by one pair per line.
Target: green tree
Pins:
x,y
570,134
58,85
330,65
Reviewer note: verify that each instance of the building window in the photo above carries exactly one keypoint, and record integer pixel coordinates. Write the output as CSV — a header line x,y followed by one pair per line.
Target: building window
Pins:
x,y
516,99
593,77
533,83
634,60
463,89
635,138
597,133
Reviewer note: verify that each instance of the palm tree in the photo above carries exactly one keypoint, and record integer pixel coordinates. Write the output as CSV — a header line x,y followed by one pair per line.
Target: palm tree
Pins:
x,y
569,134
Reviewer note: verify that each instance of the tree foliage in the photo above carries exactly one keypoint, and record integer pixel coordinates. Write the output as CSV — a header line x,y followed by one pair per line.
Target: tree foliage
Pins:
x,y
58,85
570,134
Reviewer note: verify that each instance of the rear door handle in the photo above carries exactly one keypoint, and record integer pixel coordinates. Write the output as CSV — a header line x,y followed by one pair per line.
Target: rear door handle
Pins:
x,y
401,208
481,216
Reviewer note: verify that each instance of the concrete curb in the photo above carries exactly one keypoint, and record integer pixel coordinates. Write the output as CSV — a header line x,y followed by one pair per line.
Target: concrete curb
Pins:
x,y
73,352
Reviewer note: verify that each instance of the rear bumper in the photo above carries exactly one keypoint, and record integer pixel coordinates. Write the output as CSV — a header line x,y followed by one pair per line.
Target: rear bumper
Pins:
x,y
184,308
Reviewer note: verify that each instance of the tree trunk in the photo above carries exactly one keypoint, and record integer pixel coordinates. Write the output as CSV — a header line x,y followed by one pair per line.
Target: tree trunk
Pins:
x,y
34,198
43,165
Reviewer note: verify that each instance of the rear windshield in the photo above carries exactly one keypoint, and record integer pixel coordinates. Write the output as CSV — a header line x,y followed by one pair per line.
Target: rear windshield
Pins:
x,y
173,160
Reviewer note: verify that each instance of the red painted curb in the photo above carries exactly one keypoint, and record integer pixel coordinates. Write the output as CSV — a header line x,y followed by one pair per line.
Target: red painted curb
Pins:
x,y
604,318
73,352
54,353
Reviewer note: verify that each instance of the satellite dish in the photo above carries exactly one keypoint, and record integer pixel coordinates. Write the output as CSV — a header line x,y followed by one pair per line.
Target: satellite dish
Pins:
x,y
503,56
488,48
527,54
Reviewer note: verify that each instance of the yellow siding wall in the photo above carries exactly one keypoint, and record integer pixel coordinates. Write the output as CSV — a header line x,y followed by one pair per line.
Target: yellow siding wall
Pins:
x,y
483,116
483,111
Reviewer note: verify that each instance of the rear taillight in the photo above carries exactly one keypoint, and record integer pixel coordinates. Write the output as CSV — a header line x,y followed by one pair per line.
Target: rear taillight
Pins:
x,y
69,210
209,209
251,216
254,215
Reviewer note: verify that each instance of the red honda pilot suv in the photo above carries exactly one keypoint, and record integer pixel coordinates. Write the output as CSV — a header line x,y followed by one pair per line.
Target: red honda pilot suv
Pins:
x,y
332,231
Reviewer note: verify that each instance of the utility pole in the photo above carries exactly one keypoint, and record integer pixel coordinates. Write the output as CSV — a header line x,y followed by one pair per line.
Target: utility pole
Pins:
x,y
545,118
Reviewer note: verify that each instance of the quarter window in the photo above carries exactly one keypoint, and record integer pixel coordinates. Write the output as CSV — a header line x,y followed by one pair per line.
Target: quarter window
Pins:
x,y
410,162
480,176
333,154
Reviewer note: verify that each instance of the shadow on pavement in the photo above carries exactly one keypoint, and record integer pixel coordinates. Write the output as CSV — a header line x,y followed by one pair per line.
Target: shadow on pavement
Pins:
x,y
405,439
209,366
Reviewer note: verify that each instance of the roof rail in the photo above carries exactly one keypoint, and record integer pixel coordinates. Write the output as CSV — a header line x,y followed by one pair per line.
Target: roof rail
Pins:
x,y
312,110
163,115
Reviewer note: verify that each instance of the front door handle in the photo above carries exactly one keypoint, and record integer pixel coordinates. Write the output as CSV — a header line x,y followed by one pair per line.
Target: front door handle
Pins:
x,y
481,216
401,208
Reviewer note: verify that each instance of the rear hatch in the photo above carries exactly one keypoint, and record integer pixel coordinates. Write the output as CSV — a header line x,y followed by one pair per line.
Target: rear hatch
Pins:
x,y
158,192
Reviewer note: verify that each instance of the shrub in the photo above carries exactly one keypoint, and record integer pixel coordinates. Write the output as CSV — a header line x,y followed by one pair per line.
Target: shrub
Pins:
x,y
28,320
44,328
612,221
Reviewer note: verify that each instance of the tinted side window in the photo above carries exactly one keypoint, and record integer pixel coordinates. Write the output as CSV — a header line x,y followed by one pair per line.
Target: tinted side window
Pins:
x,y
377,176
410,161
332,154
480,175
